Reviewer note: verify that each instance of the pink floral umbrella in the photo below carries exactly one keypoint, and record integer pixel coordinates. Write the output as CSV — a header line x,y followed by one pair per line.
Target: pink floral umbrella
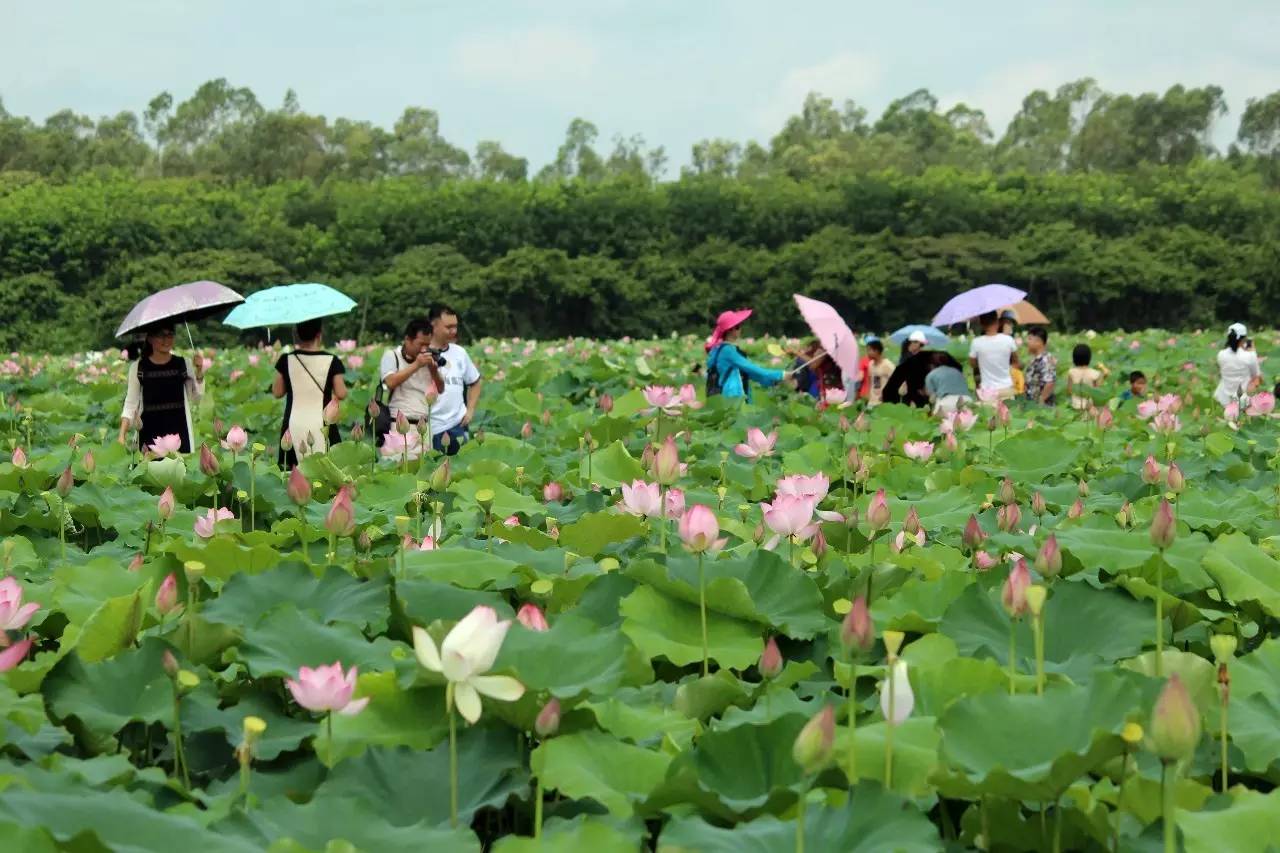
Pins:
x,y
180,304
832,332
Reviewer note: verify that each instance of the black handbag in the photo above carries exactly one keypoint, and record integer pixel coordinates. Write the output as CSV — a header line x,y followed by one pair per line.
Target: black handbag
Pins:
x,y
380,423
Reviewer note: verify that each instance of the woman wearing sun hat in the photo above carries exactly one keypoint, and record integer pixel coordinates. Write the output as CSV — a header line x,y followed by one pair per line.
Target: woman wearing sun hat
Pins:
x,y
1238,368
729,372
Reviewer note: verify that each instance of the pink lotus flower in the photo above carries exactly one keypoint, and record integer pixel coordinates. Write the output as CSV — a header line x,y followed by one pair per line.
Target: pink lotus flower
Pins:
x,y
757,445
356,361
606,403
397,446
878,512
661,397
553,492
1166,423
983,561
1002,413
1151,472
789,516
235,375
1147,408
332,411
346,345
254,358
15,654
167,595
531,616
526,431
20,458
666,468
918,450
903,539
166,445
1169,403
964,419
341,518
813,486
835,396
699,528
298,487
164,506
1232,412
411,544
206,525
641,499
950,443
13,613
237,440
1014,594
674,503
1105,419
1262,403
987,394
327,689
688,397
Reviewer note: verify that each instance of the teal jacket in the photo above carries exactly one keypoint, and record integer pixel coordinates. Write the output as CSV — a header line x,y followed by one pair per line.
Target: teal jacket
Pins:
x,y
737,372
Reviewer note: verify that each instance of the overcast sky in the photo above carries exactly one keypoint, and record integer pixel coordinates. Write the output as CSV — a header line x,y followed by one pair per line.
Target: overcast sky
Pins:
x,y
674,71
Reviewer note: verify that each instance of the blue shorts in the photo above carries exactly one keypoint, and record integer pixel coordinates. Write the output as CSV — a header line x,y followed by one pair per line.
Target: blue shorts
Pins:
x,y
458,436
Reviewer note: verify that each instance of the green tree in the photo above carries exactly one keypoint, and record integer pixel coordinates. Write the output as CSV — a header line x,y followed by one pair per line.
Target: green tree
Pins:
x,y
419,149
493,163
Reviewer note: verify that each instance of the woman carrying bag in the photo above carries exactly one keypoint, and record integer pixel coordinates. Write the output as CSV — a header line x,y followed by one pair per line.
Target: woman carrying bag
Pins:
x,y
160,388
309,379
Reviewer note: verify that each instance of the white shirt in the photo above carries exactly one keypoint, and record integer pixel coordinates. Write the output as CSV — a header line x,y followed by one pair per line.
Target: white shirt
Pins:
x,y
1237,367
993,353
410,396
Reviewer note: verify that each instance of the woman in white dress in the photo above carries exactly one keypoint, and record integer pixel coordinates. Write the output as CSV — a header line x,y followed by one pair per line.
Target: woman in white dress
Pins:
x,y
1238,368
308,378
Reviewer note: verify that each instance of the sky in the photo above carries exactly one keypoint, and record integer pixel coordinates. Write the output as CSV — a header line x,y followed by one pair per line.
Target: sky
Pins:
x,y
672,71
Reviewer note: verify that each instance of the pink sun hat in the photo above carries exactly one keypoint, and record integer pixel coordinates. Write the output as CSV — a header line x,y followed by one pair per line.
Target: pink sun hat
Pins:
x,y
726,322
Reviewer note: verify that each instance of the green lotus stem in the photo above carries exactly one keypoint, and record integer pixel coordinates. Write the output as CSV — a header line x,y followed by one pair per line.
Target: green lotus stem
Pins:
x,y
537,808
253,492
1037,626
179,752
1168,805
800,806
1222,736
488,531
244,779
1124,774
328,720
888,735
1160,615
853,724
1013,652
986,823
453,756
190,617
702,610
1057,826
662,518
871,572
333,548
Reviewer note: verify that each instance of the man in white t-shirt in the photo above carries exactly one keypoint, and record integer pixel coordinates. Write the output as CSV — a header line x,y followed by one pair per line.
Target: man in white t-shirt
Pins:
x,y
992,355
456,378
409,370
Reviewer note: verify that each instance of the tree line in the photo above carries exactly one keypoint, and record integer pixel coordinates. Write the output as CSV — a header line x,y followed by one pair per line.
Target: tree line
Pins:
x,y
1113,211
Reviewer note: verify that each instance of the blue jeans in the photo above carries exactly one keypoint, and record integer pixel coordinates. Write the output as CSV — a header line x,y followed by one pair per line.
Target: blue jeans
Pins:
x,y
458,436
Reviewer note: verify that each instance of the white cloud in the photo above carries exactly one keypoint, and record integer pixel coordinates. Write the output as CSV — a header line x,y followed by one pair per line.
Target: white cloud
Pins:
x,y
845,75
535,55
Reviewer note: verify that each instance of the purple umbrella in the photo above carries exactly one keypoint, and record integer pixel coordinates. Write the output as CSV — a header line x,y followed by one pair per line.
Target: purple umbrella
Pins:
x,y
180,304
980,300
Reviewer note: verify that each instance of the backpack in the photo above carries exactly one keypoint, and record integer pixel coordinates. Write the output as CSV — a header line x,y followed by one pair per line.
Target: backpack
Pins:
x,y
380,424
714,384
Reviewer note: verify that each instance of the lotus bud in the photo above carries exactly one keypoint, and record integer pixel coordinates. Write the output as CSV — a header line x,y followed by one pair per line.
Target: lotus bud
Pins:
x,y
136,563
89,463
1223,646
167,595
1049,559
666,463
982,561
1007,493
552,492
164,506
424,426
854,459
441,477
208,462
402,424
1175,480
844,423
340,520
531,616
1076,510
357,433
1164,527
365,539
812,748
170,664
878,516
861,423
66,480
1125,516
606,403
526,431
770,659
548,721
1082,489
863,473
992,424
1002,413
819,543
973,535
857,633
1035,599
20,458
1007,518
298,487
1175,722
1014,594
1105,419
1038,507
1151,473
332,411
911,524
286,441
218,426
372,409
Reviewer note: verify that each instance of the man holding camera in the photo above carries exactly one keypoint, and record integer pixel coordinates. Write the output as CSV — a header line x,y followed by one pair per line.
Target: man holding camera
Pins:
x,y
431,361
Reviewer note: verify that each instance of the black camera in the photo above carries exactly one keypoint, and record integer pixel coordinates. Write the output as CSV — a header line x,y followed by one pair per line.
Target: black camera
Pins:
x,y
438,355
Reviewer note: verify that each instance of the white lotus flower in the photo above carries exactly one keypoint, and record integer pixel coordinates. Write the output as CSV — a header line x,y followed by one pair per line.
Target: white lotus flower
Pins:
x,y
466,654
903,699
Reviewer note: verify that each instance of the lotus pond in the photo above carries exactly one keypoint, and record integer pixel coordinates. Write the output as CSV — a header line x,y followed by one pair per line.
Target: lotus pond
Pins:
x,y
854,631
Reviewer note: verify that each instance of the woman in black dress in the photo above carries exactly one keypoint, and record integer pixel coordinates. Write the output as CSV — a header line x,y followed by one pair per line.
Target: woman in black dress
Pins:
x,y
308,378
161,386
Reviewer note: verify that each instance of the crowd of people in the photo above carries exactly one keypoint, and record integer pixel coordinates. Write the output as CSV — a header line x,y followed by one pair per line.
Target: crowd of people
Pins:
x,y
429,382
934,379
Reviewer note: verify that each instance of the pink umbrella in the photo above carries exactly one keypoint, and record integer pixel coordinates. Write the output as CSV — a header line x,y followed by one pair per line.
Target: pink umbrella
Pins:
x,y
832,332
180,304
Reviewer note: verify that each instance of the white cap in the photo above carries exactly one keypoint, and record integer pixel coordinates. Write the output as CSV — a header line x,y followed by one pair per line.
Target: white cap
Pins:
x,y
918,336
1238,329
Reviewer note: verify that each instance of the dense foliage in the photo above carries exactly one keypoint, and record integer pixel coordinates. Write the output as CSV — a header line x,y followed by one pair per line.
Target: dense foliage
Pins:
x,y
153,707
1112,210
